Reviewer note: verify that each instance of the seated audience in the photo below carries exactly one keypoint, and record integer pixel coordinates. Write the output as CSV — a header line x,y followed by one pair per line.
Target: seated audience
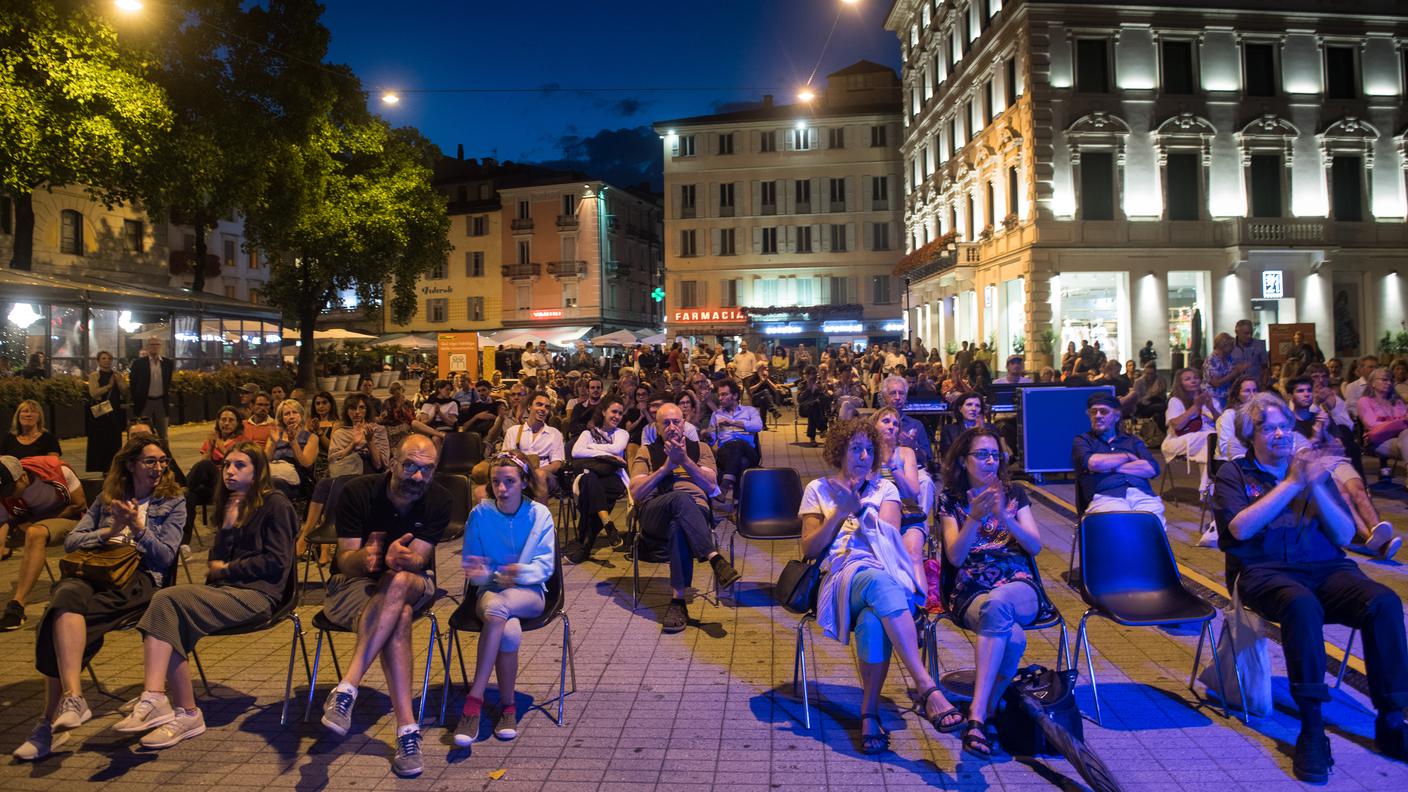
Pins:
x,y
1282,528
248,568
322,421
869,584
141,510
579,413
1385,417
1372,534
292,450
913,434
1150,395
686,404
1115,469
733,428
814,403
638,415
1190,416
259,424
27,436
438,415
989,540
539,443
359,445
968,410
671,481
765,395
1228,445
1016,372
225,436
387,527
510,548
396,414
47,502
600,454
365,384
481,414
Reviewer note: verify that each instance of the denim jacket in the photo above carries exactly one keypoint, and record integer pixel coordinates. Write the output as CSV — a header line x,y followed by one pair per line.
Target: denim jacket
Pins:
x,y
159,544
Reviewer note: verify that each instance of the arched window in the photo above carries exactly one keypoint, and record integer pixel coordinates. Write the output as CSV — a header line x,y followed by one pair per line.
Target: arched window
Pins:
x,y
1097,147
1347,151
1267,153
1184,146
71,232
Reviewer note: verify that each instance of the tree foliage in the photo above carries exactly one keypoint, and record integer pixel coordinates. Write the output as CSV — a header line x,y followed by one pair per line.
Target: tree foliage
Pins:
x,y
77,106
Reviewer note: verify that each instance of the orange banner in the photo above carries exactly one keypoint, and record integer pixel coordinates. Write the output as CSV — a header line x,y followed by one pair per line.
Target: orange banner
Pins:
x,y
459,352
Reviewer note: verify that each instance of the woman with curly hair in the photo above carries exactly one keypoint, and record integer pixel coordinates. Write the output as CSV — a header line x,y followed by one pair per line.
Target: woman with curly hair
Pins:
x,y
989,538
850,521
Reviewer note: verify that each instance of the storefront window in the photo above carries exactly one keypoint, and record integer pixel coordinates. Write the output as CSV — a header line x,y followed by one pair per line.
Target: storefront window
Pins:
x,y
1090,310
1187,292
66,340
1014,308
21,332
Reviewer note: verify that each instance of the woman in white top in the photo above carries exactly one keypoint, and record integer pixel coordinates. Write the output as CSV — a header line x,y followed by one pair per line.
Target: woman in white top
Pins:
x,y
1229,446
600,453
1191,416
850,521
898,464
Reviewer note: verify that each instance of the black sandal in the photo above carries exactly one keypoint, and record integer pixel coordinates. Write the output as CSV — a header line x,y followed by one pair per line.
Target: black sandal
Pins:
x,y
975,740
872,744
948,721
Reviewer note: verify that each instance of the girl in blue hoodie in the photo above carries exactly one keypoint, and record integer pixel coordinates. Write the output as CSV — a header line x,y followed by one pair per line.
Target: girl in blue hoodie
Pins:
x,y
509,550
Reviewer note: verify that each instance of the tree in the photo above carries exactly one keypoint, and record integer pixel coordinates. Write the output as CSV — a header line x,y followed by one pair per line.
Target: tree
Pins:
x,y
350,208
77,107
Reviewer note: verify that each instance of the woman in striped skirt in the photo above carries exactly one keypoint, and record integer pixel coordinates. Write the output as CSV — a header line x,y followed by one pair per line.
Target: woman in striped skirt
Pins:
x,y
249,567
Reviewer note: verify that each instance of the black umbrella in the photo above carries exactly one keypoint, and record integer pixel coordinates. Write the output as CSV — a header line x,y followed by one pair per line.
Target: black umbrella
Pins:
x,y
1195,341
1038,689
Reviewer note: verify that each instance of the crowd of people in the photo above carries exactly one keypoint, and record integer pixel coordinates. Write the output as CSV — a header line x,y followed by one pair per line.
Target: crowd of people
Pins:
x,y
914,517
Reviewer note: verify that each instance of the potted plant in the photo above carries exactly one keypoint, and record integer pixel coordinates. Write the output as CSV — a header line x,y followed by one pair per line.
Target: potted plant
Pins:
x,y
64,397
189,389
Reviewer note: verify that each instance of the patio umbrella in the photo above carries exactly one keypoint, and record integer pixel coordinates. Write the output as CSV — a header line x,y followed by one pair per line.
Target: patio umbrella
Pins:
x,y
618,338
409,342
1195,339
340,334
655,339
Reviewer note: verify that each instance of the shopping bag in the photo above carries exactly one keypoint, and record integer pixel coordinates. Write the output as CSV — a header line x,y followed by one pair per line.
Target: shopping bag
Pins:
x,y
1241,645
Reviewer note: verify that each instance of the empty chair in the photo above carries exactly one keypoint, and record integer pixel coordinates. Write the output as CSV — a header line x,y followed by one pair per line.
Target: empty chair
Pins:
x,y
1129,576
460,452
767,506
462,500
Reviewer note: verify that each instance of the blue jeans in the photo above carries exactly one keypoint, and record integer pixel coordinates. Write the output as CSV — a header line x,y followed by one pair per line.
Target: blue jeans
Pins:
x,y
874,596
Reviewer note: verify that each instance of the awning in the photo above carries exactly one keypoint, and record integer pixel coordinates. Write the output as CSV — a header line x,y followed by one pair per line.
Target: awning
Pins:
x,y
408,341
102,292
518,336
340,334
616,338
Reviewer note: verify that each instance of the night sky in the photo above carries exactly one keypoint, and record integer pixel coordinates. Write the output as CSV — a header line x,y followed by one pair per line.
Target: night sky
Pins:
x,y
722,51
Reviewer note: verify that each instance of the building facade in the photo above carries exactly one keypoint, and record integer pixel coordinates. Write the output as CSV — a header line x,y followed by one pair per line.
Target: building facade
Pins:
x,y
106,278
785,221
1093,171
528,254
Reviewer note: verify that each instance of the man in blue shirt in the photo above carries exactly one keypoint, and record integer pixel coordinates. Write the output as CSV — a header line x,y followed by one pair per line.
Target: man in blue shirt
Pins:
x,y
1115,468
734,428
1250,354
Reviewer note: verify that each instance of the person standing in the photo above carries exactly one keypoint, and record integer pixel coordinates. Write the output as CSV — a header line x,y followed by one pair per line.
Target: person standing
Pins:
x,y
745,362
151,384
107,390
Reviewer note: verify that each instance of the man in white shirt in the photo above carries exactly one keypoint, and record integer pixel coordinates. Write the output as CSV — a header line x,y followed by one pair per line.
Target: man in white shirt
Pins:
x,y
894,358
531,362
745,362
1354,390
1016,372
542,443
734,428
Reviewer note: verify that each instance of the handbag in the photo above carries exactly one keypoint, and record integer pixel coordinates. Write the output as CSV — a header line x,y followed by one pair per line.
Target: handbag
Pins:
x,y
1018,731
1244,646
101,408
109,566
350,465
798,585
284,470
606,466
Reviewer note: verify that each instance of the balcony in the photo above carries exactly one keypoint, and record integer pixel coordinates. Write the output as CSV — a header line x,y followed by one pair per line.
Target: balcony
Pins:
x,y
566,222
521,224
1275,231
967,254
522,271
567,269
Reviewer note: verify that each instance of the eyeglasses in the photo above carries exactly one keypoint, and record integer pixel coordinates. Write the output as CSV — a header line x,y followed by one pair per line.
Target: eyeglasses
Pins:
x,y
151,463
985,455
409,469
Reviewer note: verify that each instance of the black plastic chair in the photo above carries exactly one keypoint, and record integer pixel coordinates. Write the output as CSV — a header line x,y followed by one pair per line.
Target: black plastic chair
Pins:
x,y
1129,576
326,627
325,532
766,510
1214,464
461,501
460,452
466,619
285,609
1082,503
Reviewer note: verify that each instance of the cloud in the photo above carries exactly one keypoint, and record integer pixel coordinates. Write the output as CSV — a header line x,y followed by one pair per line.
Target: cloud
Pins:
x,y
626,108
625,157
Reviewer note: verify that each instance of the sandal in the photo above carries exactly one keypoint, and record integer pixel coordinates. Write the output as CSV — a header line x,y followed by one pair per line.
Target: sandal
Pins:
x,y
948,721
975,740
872,744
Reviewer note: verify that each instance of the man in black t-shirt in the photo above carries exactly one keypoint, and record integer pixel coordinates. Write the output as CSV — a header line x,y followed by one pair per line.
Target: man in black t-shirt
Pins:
x,y
387,527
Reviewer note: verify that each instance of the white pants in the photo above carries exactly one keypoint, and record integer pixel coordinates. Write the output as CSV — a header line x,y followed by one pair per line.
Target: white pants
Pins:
x,y
1132,500
1193,447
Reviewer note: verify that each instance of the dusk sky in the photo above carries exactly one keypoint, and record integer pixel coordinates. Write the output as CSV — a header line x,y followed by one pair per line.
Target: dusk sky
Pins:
x,y
704,55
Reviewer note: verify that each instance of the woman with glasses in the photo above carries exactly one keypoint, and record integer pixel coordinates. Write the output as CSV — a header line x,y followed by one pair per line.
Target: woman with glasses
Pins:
x,y
248,568
989,540
509,549
1385,417
869,585
600,453
141,511
358,446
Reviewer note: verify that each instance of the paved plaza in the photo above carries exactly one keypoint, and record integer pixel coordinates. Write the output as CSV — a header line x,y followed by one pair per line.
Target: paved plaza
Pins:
x,y
709,709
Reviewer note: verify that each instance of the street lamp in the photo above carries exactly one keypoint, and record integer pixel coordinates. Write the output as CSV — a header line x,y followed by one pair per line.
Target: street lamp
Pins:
x,y
128,6
390,98
806,95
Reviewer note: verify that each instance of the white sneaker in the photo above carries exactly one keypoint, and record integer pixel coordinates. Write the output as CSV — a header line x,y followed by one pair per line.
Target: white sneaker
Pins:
x,y
73,712
152,710
182,726
42,742
1208,538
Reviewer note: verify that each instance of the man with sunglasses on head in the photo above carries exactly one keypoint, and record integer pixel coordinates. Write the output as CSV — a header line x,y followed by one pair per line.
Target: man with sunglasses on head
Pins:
x,y
1115,469
387,527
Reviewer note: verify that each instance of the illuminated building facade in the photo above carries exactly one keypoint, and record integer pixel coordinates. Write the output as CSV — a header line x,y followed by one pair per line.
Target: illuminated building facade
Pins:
x,y
1097,171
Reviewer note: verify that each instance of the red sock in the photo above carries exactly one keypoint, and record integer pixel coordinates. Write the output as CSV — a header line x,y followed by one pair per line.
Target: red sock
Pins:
x,y
509,708
472,705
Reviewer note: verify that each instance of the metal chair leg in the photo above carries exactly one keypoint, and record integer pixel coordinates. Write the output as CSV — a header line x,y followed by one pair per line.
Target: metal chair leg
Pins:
x,y
635,570
195,658
1063,649
430,652
93,675
313,678
450,642
1216,664
293,644
1344,663
1198,659
571,653
1083,639
800,662
562,673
